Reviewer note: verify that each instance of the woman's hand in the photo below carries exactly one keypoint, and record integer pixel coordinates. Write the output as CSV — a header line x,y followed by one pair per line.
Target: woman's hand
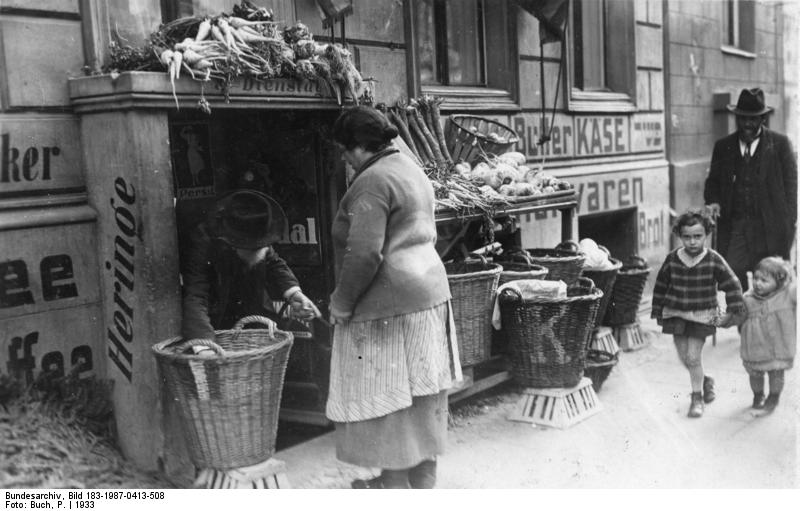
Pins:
x,y
338,317
303,307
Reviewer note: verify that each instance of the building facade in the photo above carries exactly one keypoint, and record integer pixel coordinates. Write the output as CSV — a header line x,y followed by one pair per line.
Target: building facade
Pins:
x,y
625,106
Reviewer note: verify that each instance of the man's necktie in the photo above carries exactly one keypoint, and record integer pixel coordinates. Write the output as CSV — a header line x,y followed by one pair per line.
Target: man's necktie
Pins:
x,y
746,154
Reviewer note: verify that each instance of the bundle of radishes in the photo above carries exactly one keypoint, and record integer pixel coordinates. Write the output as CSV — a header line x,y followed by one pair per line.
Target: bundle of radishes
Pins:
x,y
508,175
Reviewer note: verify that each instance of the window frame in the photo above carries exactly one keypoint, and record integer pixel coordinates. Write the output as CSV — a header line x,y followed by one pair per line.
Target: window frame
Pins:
x,y
579,100
739,16
500,45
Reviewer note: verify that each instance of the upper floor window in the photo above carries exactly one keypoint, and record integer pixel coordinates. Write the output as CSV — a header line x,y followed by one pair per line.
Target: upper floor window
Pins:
x,y
738,27
466,51
603,59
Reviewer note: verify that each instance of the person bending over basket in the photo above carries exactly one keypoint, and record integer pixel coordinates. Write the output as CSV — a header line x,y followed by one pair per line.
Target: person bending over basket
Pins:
x,y
685,299
392,359
232,271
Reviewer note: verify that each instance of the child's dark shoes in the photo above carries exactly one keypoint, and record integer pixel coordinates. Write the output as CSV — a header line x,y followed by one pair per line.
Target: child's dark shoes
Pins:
x,y
771,402
708,389
758,400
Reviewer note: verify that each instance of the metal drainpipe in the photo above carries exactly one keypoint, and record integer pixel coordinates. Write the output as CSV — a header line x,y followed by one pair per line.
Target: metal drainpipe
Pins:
x,y
667,104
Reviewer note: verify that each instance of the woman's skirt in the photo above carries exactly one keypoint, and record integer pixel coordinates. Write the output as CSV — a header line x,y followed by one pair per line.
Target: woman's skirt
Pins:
x,y
397,441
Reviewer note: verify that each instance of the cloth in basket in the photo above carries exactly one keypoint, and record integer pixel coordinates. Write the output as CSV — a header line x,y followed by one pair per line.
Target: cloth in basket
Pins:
x,y
228,404
528,289
548,337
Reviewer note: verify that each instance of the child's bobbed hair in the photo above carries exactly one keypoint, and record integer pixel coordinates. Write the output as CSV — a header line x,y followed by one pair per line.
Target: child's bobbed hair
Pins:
x,y
775,266
692,217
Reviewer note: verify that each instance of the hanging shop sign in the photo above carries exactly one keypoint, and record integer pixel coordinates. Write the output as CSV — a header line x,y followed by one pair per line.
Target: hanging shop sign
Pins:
x,y
581,135
39,153
191,160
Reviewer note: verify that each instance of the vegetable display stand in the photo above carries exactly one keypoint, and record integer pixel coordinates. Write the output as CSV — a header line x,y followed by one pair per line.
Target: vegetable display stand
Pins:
x,y
473,284
228,403
603,340
558,408
270,474
470,137
598,366
561,264
630,336
548,337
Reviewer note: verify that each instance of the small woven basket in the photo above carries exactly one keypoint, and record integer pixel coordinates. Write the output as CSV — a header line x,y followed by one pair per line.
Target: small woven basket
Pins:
x,y
472,285
561,264
598,366
228,404
604,281
548,337
467,137
623,306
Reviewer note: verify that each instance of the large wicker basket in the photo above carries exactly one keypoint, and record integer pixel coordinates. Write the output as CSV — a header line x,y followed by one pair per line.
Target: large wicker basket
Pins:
x,y
548,337
598,366
520,271
604,281
623,306
561,264
468,137
472,285
228,404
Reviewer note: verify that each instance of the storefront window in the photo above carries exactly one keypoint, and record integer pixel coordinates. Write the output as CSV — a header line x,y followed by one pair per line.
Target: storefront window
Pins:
x,y
466,51
174,9
603,67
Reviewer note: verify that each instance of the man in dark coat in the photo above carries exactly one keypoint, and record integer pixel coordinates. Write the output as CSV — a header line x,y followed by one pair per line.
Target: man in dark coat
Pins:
x,y
752,188
231,270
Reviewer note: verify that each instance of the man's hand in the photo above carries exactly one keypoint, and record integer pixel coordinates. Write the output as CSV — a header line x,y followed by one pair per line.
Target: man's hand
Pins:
x,y
713,210
303,307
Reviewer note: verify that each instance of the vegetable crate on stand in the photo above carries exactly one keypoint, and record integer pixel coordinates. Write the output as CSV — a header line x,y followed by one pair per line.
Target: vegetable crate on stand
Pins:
x,y
472,285
228,403
548,338
623,307
602,337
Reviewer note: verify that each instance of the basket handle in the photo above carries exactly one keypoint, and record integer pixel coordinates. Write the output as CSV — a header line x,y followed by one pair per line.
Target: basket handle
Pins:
x,y
208,343
248,320
511,291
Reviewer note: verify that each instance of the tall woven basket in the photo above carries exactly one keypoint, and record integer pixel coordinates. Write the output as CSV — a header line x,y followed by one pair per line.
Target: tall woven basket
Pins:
x,y
604,281
561,264
548,337
473,284
623,306
228,404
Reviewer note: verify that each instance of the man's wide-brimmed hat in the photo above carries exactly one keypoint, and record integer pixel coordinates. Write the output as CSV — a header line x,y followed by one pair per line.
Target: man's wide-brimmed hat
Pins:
x,y
751,102
247,219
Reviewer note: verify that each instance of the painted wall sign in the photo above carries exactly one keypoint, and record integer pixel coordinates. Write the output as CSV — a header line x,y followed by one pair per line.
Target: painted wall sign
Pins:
x,y
647,133
35,343
40,54
277,86
39,153
191,160
47,268
582,135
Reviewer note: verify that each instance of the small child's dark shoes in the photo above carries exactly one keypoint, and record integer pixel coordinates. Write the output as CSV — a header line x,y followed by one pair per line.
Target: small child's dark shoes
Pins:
x,y
771,403
708,389
758,400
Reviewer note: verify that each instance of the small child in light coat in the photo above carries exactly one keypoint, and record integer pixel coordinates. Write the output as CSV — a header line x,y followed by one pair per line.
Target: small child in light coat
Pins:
x,y
769,339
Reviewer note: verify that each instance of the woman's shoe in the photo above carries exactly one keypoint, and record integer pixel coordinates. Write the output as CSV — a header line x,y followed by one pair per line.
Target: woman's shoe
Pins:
x,y
376,483
696,408
389,479
708,389
758,400
423,476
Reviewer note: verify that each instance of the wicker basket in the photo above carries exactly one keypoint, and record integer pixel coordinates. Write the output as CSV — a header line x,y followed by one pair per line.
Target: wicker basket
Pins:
x,y
228,404
604,281
520,271
623,306
467,137
473,284
548,337
598,366
561,264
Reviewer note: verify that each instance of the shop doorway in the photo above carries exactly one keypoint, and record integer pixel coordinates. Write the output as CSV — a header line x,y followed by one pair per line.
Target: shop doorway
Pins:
x,y
614,230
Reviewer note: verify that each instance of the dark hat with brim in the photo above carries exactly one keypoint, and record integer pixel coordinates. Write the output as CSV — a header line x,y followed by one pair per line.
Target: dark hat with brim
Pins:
x,y
751,102
247,219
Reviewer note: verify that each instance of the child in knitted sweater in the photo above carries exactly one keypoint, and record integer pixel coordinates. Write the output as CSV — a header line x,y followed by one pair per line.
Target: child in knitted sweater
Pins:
x,y
769,339
685,299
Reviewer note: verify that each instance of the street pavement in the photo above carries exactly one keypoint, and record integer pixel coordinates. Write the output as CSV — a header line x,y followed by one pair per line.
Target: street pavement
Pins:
x,y
641,439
